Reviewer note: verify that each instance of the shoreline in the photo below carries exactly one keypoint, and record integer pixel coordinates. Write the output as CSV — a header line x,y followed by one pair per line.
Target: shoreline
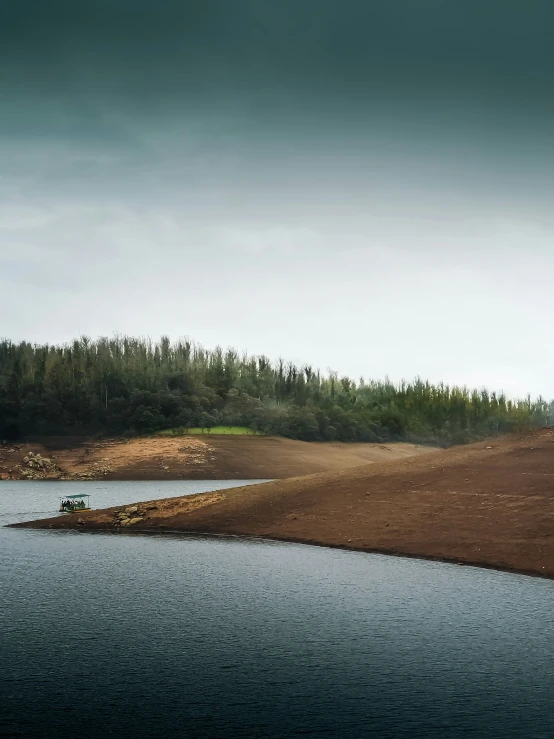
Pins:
x,y
310,543
488,505
193,457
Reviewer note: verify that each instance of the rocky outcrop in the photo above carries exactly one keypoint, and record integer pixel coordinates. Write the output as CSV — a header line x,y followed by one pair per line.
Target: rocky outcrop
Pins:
x,y
36,467
133,514
92,472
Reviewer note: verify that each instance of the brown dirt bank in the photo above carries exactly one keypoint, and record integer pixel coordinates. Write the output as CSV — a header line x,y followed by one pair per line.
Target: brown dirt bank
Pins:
x,y
488,504
192,458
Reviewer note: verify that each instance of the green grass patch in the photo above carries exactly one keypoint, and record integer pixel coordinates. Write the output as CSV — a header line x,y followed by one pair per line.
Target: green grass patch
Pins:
x,y
215,430
231,430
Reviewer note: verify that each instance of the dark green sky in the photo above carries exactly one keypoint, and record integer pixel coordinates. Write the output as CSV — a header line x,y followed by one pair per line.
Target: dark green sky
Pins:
x,y
356,168
497,50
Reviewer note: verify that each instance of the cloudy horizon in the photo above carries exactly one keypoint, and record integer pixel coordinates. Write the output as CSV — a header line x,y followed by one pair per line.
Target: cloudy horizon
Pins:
x,y
362,186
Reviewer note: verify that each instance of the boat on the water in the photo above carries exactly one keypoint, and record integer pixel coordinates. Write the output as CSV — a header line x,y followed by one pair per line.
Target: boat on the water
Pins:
x,y
74,503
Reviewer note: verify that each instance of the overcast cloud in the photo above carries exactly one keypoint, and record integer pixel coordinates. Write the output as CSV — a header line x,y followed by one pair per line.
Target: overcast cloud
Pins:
x,y
357,185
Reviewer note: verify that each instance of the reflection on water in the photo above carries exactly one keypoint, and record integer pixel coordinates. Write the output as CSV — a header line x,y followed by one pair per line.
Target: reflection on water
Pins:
x,y
173,636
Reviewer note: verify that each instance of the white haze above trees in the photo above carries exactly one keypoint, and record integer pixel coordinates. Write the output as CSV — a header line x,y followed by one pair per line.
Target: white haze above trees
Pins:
x,y
356,184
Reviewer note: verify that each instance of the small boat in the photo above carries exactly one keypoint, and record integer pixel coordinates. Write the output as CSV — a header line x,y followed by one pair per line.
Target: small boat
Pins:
x,y
74,503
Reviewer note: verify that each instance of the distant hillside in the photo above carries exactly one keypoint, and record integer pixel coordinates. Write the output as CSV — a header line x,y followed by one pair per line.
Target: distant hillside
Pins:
x,y
132,386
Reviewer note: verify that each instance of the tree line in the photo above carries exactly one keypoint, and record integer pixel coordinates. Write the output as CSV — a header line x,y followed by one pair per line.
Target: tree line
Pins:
x,y
126,385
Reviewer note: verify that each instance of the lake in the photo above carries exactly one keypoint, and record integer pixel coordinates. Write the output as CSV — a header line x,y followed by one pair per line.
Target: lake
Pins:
x,y
179,636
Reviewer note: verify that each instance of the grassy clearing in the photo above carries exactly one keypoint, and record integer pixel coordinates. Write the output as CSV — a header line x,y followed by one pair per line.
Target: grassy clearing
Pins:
x,y
215,430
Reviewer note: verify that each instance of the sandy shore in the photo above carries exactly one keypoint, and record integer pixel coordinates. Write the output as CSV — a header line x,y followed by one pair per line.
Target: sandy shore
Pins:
x,y
489,504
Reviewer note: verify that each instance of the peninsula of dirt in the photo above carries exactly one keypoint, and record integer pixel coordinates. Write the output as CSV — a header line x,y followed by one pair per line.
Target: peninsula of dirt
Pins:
x,y
489,504
208,457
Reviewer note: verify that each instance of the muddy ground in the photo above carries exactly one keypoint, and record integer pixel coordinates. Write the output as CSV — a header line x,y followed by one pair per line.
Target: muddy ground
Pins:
x,y
190,458
489,504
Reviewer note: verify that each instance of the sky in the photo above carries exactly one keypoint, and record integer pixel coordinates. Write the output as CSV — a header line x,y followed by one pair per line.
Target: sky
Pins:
x,y
362,186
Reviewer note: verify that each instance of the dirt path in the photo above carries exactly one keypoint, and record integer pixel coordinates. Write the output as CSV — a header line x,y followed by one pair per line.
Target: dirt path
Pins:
x,y
488,504
191,457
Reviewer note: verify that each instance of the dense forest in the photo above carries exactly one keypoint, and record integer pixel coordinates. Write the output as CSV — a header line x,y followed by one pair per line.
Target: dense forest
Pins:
x,y
133,386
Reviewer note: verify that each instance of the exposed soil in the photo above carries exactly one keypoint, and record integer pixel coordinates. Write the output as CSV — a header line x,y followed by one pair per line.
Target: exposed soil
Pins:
x,y
489,504
193,458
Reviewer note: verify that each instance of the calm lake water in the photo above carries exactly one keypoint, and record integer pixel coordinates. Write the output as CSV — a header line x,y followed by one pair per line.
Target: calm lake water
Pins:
x,y
173,636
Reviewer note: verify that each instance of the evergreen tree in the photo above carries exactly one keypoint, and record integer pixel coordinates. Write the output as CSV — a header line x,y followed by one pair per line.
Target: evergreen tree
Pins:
x,y
135,386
